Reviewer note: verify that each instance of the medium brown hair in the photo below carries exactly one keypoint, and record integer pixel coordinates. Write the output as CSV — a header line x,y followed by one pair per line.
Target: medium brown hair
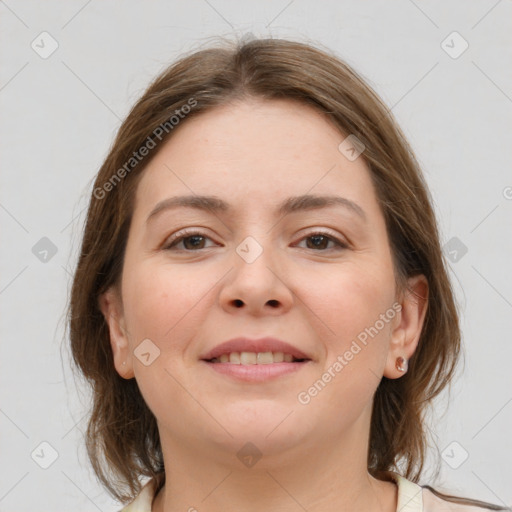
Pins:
x,y
122,437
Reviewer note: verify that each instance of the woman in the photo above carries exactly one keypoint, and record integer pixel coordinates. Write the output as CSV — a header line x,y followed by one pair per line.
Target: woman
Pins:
x,y
261,304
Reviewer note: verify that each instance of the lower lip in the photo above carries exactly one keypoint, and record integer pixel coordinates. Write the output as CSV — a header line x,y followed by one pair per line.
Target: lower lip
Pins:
x,y
256,372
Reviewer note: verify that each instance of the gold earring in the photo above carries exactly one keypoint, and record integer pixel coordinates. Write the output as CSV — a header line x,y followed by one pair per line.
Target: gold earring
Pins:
x,y
401,364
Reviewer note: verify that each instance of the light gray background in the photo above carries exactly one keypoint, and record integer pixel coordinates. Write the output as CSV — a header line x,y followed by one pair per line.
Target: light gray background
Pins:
x,y
59,116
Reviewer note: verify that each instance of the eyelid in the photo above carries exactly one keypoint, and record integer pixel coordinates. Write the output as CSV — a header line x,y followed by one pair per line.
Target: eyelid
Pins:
x,y
339,241
178,236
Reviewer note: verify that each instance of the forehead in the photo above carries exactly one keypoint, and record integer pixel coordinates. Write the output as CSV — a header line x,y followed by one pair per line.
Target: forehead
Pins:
x,y
251,150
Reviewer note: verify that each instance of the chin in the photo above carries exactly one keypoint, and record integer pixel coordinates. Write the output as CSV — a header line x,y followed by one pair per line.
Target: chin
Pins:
x,y
266,423
252,445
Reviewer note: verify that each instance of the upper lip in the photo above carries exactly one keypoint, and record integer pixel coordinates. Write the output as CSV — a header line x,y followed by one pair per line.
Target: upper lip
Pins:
x,y
254,345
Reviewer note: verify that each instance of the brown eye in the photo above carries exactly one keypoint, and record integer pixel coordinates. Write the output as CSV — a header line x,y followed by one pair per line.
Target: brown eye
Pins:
x,y
320,242
193,242
189,241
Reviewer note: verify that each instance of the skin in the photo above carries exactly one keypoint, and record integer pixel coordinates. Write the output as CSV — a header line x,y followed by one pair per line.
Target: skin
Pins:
x,y
254,154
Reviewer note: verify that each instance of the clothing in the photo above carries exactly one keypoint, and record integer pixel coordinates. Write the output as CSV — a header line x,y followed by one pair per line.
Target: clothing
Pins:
x,y
411,498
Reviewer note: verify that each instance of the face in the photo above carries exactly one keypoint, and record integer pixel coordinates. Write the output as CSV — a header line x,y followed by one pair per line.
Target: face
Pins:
x,y
317,276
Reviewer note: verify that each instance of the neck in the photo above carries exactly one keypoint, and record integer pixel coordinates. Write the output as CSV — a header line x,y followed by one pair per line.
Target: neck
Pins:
x,y
330,475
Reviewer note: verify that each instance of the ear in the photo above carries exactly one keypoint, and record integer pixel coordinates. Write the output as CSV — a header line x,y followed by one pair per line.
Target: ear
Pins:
x,y
408,325
111,306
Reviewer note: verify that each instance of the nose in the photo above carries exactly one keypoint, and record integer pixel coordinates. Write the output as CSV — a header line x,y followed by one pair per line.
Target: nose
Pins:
x,y
256,284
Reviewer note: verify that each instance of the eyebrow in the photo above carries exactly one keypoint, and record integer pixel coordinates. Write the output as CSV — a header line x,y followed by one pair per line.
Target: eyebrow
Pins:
x,y
290,205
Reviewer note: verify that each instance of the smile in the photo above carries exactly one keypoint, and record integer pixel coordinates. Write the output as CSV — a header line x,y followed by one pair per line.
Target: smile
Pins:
x,y
251,358
256,366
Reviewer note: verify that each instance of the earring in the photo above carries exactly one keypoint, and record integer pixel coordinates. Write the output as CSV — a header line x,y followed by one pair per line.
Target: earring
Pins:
x,y
401,364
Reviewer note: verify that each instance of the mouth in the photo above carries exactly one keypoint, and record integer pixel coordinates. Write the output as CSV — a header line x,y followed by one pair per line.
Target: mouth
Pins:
x,y
256,367
256,358
245,351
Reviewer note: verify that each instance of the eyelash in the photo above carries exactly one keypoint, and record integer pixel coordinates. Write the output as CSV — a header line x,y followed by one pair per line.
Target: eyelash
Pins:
x,y
177,238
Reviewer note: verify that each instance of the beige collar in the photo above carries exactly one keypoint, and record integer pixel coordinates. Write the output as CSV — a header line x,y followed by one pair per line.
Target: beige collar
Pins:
x,y
410,495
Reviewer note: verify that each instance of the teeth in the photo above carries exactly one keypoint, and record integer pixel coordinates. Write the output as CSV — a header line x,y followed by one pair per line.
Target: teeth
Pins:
x,y
265,358
254,358
278,357
248,358
234,358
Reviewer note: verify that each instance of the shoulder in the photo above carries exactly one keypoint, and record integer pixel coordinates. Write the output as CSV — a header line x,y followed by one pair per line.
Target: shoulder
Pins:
x,y
143,502
434,503
414,498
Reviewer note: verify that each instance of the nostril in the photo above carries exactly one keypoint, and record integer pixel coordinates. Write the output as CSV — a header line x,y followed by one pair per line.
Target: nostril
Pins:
x,y
238,303
273,303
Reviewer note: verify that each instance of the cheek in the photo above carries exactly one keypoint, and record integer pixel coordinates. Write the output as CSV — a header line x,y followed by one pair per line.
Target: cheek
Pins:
x,y
355,304
163,302
166,304
351,298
